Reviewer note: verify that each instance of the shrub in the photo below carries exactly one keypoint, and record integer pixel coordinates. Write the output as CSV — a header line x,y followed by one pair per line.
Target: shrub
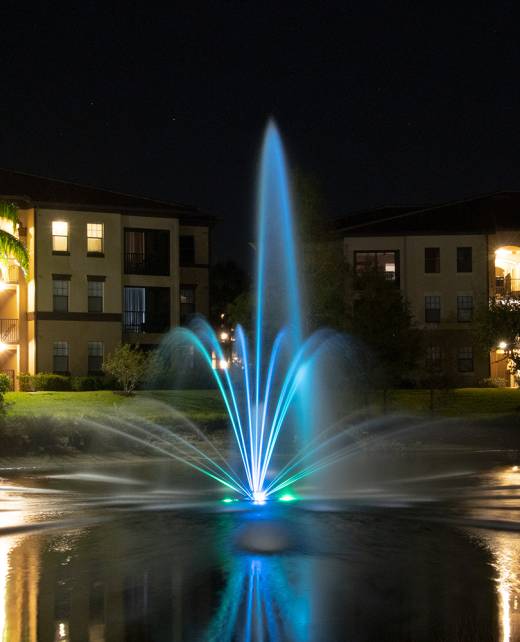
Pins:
x,y
90,383
26,382
50,381
128,366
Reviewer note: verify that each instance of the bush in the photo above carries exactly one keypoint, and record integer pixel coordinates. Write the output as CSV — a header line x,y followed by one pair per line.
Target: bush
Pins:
x,y
91,383
44,381
26,382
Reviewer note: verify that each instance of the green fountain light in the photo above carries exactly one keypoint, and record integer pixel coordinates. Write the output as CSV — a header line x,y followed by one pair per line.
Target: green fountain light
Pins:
x,y
287,497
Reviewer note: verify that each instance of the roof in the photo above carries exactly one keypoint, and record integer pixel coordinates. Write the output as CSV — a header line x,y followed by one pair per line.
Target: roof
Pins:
x,y
483,214
39,191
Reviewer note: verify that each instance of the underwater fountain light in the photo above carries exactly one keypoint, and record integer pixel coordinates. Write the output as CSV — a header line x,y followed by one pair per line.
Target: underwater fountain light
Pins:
x,y
287,498
259,497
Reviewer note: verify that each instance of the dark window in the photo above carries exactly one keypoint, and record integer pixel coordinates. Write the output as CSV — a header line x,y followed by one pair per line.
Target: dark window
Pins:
x,y
96,351
464,309
434,358
432,309
60,357
186,250
95,296
147,252
384,263
60,295
187,302
464,259
432,260
146,310
465,359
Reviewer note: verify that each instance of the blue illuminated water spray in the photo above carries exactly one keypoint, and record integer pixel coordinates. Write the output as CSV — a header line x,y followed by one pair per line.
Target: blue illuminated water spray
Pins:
x,y
267,387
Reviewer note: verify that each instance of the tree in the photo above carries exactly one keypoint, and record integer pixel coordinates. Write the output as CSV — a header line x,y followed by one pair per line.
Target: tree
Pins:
x,y
380,319
10,246
498,325
128,366
228,281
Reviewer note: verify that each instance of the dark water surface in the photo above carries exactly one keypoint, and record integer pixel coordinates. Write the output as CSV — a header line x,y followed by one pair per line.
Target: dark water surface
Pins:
x,y
112,553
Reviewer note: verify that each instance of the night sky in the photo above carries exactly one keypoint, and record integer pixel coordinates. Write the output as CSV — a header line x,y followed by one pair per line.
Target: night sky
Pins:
x,y
383,102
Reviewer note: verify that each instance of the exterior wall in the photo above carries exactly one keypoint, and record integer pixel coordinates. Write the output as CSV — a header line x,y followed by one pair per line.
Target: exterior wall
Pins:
x,y
415,284
78,334
141,280
198,273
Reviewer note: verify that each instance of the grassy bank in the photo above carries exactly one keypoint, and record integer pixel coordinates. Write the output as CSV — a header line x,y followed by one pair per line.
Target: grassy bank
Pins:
x,y
461,402
201,406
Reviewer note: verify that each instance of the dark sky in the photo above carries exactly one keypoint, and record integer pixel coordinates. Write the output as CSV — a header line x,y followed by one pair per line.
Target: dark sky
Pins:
x,y
384,102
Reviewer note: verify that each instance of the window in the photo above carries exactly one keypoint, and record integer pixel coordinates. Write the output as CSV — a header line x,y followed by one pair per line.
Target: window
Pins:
x,y
147,252
385,263
432,260
60,295
60,357
464,259
434,358
95,295
60,236
464,308
432,309
95,234
465,359
146,309
186,250
96,351
187,302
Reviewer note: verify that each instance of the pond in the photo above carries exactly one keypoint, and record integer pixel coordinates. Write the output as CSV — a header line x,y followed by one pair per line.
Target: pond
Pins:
x,y
140,551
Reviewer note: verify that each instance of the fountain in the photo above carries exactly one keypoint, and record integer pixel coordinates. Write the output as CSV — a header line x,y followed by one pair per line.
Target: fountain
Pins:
x,y
268,388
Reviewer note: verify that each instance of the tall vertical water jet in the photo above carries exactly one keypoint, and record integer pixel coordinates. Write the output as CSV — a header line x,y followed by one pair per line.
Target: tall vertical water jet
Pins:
x,y
268,388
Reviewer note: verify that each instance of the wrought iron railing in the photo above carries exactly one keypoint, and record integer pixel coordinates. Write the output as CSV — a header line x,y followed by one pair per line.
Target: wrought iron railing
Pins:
x,y
9,330
141,263
139,322
505,286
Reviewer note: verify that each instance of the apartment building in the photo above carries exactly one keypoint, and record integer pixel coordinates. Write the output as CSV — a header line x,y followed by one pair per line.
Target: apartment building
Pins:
x,y
448,260
105,268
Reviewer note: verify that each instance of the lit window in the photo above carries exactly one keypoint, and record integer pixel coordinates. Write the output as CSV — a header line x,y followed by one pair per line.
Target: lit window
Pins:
x,y
95,296
95,238
60,236
465,359
96,351
60,295
60,357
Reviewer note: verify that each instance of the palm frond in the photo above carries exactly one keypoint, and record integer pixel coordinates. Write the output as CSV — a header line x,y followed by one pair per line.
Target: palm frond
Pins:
x,y
9,211
12,248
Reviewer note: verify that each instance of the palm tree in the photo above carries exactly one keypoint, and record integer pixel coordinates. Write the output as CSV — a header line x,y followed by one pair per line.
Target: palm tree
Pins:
x,y
11,248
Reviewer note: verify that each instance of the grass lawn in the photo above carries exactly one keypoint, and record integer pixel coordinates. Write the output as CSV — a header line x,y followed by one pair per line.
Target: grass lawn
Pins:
x,y
205,406
460,402
199,405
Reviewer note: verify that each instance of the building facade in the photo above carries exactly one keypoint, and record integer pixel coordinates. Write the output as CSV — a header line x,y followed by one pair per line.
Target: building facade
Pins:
x,y
105,268
448,261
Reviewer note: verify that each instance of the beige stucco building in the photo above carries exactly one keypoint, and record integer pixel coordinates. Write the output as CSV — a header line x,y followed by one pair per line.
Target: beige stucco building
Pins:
x,y
105,268
448,261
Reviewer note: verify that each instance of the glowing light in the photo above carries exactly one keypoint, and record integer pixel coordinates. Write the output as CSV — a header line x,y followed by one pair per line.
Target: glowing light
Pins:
x,y
229,500
502,345
3,286
3,346
224,336
287,498
515,469
223,364
259,497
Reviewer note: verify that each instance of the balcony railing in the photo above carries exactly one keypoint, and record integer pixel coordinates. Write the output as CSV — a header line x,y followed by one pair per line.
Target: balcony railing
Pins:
x,y
141,263
9,330
505,286
139,322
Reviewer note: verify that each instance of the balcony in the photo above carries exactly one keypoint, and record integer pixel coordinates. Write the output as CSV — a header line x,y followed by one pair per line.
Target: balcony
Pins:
x,y
10,273
9,330
506,286
141,263
141,323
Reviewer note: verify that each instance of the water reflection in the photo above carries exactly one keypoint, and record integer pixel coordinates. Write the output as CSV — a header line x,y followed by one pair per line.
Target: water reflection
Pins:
x,y
259,603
